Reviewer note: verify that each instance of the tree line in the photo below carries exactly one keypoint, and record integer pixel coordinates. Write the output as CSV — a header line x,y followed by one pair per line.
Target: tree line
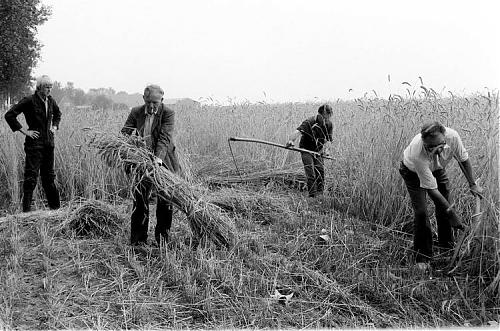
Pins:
x,y
95,98
20,50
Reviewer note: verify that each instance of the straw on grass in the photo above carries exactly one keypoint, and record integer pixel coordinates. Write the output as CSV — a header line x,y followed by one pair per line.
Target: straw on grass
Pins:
x,y
261,207
289,177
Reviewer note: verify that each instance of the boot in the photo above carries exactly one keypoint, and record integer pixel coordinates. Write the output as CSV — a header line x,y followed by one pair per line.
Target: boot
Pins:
x,y
163,227
52,195
161,239
27,197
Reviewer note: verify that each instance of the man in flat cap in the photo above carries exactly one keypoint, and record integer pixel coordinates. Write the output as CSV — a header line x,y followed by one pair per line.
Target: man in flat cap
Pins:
x,y
155,123
42,118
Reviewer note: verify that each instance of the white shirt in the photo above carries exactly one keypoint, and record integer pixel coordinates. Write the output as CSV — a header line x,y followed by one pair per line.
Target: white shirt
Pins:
x,y
148,127
419,160
46,103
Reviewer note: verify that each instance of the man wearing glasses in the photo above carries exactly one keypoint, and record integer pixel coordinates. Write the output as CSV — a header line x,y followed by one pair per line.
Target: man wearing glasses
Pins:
x,y
155,123
42,118
423,171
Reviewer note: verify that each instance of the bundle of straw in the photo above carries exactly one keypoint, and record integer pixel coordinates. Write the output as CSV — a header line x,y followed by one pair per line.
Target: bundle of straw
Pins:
x,y
86,218
95,218
206,220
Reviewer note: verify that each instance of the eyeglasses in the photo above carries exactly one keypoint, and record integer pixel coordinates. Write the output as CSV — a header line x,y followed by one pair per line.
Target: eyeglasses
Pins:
x,y
153,104
434,146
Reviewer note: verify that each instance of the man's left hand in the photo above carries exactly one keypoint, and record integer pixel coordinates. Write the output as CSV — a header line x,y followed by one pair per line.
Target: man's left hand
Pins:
x,y
53,129
158,161
477,190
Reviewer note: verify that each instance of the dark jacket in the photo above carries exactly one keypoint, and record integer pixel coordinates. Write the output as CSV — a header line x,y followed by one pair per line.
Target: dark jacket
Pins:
x,y
316,130
37,119
161,133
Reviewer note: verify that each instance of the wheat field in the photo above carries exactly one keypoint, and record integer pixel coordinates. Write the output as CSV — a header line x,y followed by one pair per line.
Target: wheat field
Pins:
x,y
362,277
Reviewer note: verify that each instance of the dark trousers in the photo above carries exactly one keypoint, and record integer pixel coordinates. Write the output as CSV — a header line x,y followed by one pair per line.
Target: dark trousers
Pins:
x,y
40,160
140,215
422,232
315,173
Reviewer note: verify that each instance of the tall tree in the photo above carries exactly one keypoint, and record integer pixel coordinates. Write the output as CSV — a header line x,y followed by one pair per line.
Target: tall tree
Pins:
x,y
20,50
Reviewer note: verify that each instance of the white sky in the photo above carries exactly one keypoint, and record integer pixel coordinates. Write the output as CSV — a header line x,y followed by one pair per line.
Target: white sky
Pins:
x,y
290,50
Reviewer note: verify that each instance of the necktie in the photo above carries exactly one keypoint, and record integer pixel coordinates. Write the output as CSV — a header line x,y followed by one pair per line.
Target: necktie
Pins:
x,y
147,131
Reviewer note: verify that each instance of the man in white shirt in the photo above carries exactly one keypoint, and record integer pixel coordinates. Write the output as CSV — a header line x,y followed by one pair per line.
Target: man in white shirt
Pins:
x,y
423,170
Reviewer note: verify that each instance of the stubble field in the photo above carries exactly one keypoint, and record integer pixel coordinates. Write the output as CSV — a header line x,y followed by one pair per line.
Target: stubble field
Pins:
x,y
50,277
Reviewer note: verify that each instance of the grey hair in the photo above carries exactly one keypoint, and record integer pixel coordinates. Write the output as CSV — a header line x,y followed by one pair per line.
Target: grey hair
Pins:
x,y
43,80
153,88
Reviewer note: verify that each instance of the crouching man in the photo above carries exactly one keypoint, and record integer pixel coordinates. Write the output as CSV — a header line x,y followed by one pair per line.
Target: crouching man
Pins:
x,y
423,171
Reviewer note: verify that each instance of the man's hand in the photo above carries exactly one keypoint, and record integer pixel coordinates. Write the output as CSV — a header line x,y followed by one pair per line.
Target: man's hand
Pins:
x,y
158,161
290,143
455,220
32,134
53,129
325,152
477,190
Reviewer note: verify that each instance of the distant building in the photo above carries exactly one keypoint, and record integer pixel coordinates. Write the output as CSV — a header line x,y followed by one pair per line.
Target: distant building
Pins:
x,y
182,103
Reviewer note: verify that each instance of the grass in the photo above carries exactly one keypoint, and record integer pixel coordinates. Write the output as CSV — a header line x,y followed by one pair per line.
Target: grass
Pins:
x,y
52,278
56,279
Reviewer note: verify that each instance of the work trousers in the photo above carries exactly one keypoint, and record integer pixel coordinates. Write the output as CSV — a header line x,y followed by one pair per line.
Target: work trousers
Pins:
x,y
315,173
422,231
140,215
40,160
